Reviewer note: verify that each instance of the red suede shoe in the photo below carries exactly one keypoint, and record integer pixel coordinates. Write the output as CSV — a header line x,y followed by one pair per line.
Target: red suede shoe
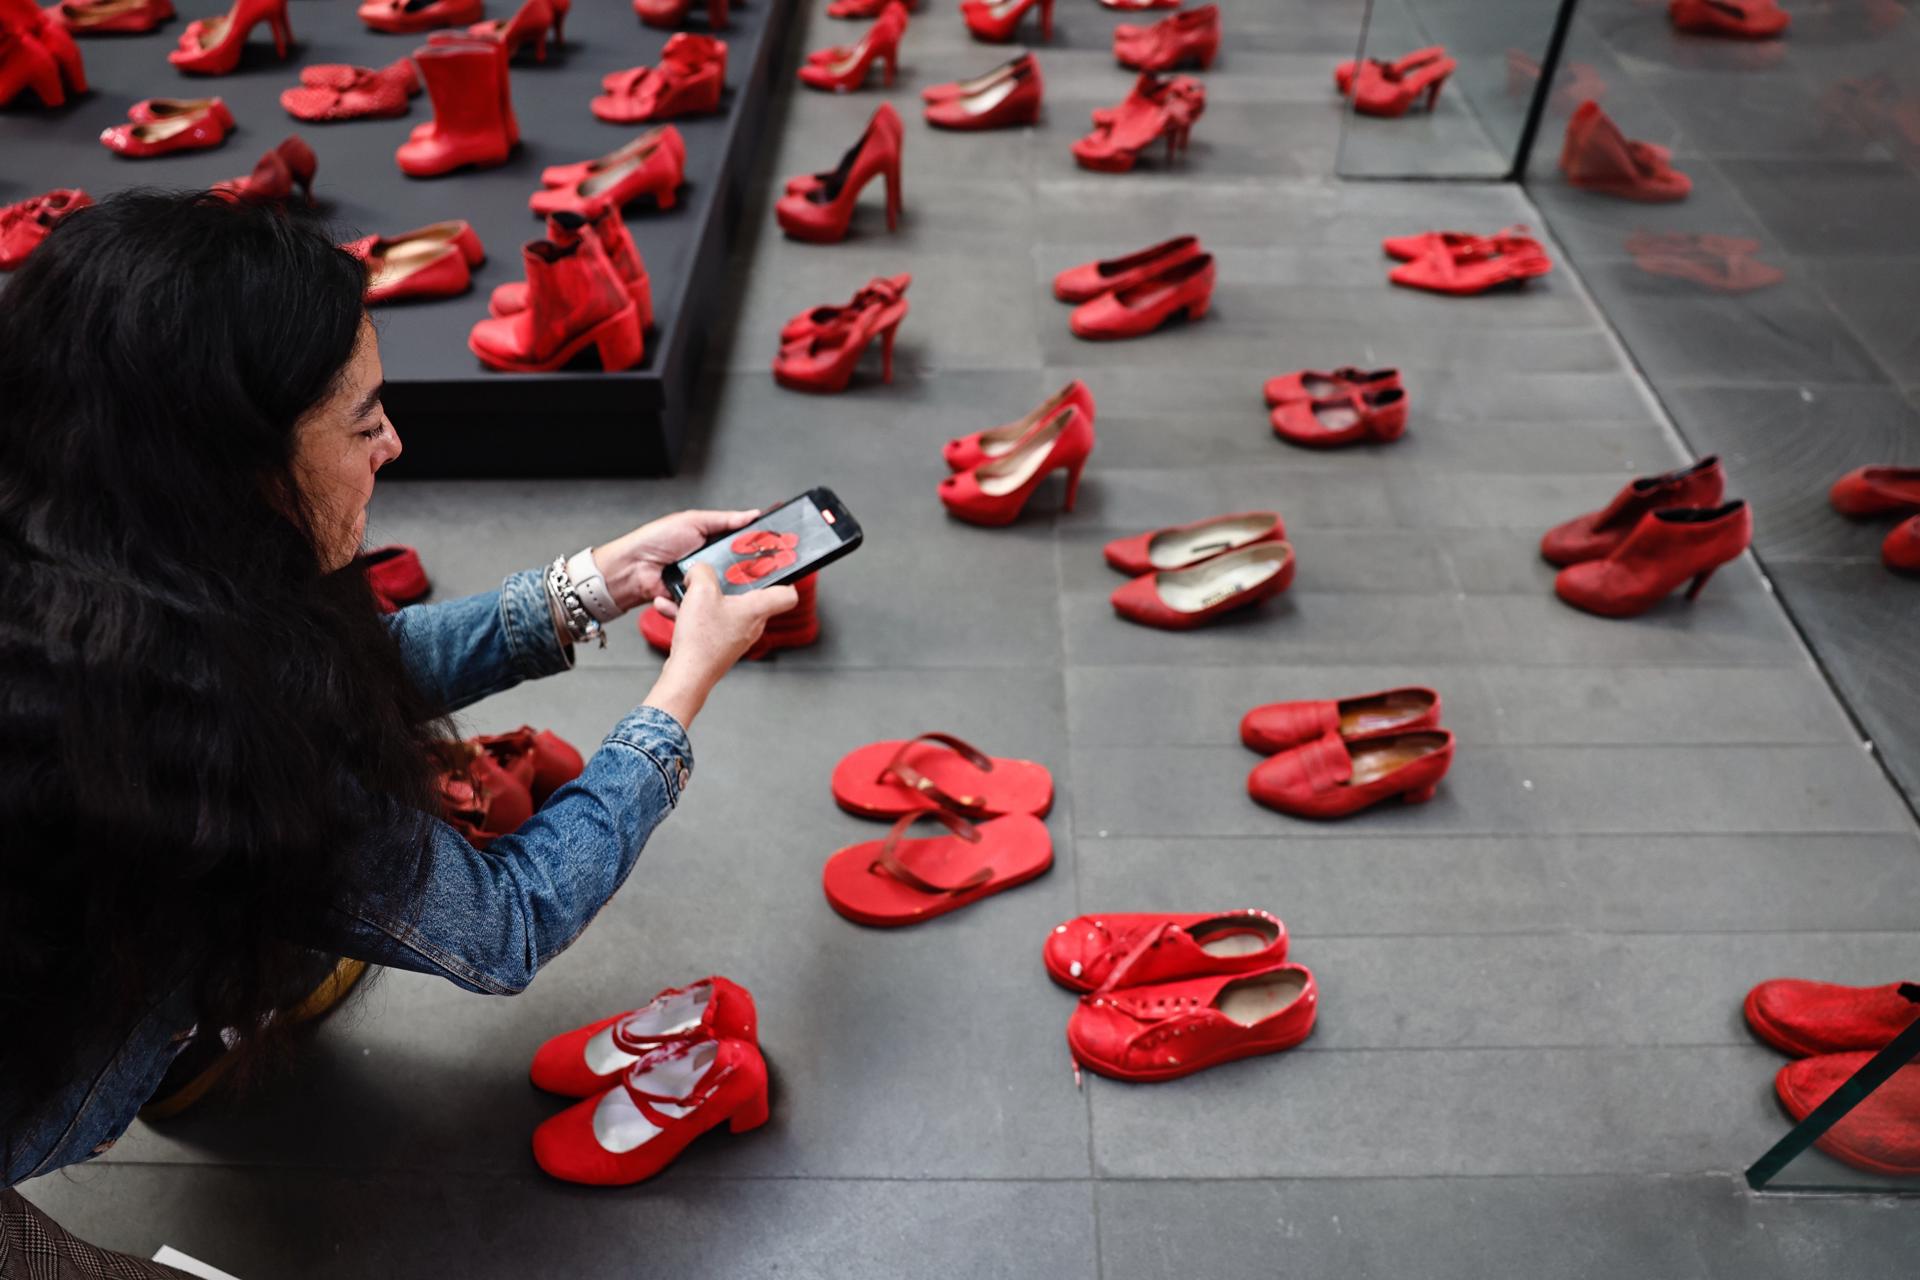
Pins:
x,y
1311,384
1664,550
1181,599
473,123
1597,157
25,224
212,46
616,241
1089,953
688,82
575,299
1598,534
844,68
1900,551
478,798
666,1099
400,17
996,491
1180,291
996,21
893,779
1156,108
582,1062
893,882
1343,419
1090,280
1333,777
338,92
881,291
1008,95
1807,1019
1390,90
797,628
275,175
166,125
1279,726
1881,1135
1152,1033
653,164
395,573
671,13
119,17
823,211
1877,491
1743,19
1398,69
823,359
434,261
1475,266
1186,545
970,451
1190,37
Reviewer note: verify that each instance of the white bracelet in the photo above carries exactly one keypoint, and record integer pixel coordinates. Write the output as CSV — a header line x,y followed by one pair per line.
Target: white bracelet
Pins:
x,y
592,587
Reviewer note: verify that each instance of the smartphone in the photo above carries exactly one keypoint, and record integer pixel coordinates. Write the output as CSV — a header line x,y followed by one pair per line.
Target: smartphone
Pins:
x,y
787,543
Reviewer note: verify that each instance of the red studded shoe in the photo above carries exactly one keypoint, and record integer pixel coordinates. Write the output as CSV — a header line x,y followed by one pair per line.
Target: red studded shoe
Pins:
x,y
526,29
1311,384
1345,73
823,211
473,123
1390,89
616,241
1873,491
797,628
395,574
1664,550
582,1062
1333,777
1900,551
276,174
1598,534
1807,1019
1180,291
1343,418
168,125
212,46
844,67
1091,279
1597,157
434,261
881,291
1881,1135
1190,37
1182,599
654,164
118,17
970,451
1162,1032
671,13
1742,19
1089,952
339,92
25,224
1008,95
823,359
1156,108
688,82
938,771
1183,546
667,1098
996,491
575,300
1278,726
895,881
401,17
996,21
1475,266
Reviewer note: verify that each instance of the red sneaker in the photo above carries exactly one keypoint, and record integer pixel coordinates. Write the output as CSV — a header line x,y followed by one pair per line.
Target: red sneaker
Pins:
x,y
1008,95
1311,384
1180,291
582,1062
1189,37
1598,534
1743,19
1186,545
160,126
1345,418
1278,726
1333,777
1900,551
892,779
25,224
1807,1019
1089,280
1596,156
893,882
1664,550
1174,1029
996,491
1181,599
396,572
1881,1135
1877,491
1088,953
970,451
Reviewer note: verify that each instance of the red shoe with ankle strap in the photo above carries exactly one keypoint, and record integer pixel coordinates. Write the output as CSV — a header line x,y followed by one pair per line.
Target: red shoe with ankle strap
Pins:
x,y
1900,551
1091,279
119,17
667,1098
1312,384
671,13
996,491
1182,599
652,165
1390,89
688,82
1190,37
823,211
25,224
823,359
1146,1034
1597,157
575,300
881,290
891,779
1877,491
1474,267
434,261
473,123
1399,68
212,46
844,68
1008,95
1664,550
404,17
970,451
1181,291
1088,953
1333,777
337,92
616,241
996,21
1343,419
1807,1019
276,174
167,125
582,1062
527,28
1598,534
395,573
1742,19
1278,726
1186,545
1881,1134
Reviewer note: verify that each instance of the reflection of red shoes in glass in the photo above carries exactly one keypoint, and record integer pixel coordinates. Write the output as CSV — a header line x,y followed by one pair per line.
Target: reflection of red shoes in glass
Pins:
x,y
1189,37
1182,599
1597,157
1168,1030
1133,949
970,451
617,243
688,82
212,46
1335,777
996,491
997,20
575,300
1344,418
25,224
845,68
407,16
1384,89
1180,291
1881,1134
1877,491
1473,265
339,92
1183,546
1010,94
1344,74
1900,551
167,125
1807,1019
822,211
1278,726
1745,19
434,261
100,17
582,1062
1665,549
1725,264
1598,533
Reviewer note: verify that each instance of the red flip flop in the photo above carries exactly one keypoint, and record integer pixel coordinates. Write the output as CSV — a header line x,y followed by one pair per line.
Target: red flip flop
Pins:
x,y
893,779
896,881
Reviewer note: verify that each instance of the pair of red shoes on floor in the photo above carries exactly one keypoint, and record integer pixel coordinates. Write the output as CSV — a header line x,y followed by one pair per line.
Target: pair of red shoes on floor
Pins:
x,y
820,347
997,470
1725,264
337,91
396,576
585,287
110,17
162,126
996,21
24,224
1185,576
1834,1031
1741,19
1331,759
651,1080
1190,37
491,784
844,68
797,628
1324,410
38,54
213,46
991,809
653,164
1597,157
434,261
1131,296
818,207
1657,533
688,82
1885,491
1007,95
1461,263
1381,88
1157,107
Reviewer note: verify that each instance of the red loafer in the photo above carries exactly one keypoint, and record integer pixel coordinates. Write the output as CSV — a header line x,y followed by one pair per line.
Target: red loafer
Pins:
x,y
893,779
1881,1135
1141,949
1278,726
1182,291
160,126
396,572
970,451
1162,1032
1008,95
1742,19
893,882
1183,546
1597,534
1807,1019
1900,551
996,491
582,1062
1181,599
1877,491
1091,279
1311,384
1664,550
1332,777
1346,418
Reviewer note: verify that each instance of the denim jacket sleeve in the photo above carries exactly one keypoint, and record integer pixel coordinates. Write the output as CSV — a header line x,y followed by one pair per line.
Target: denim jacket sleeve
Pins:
x,y
460,651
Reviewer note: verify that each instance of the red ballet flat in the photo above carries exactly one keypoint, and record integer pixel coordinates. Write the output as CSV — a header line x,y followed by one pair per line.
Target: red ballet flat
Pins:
x,y
212,46
1665,549
1598,534
395,574
844,68
1091,279
434,261
1115,951
1597,157
1190,37
1875,491
121,17
970,451
615,241
1008,95
1385,89
161,126
582,1062
1342,419
1182,599
1186,545
1279,726
275,175
1161,1032
1334,777
671,13
823,211
1881,1134
1900,551
823,360
575,300
894,778
25,224
996,21
1807,1019
895,881
1465,269
408,16
1345,73
1742,19
653,164
1311,384
688,82
1180,291
996,491
882,291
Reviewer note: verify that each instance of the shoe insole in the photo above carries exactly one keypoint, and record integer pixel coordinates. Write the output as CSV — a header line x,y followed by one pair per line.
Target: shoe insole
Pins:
x,y
997,441
1372,761
1257,999
1178,550
978,104
1368,715
619,1125
1008,472
403,260
1201,587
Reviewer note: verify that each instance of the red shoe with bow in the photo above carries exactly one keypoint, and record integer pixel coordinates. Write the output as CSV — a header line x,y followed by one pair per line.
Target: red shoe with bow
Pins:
x,y
116,17
25,224
823,210
970,451
212,46
1182,599
1333,777
1008,95
1190,37
615,241
339,92
996,21
996,491
1278,726
1088,953
1742,19
1186,545
844,68
1597,157
161,126
575,300
654,164
434,261
1146,1034
276,174
405,17
1343,419
473,123
1180,291
688,82
1598,534
582,1062
1665,549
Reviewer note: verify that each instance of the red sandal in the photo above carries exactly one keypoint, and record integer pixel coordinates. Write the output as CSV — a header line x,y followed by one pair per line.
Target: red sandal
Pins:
x,y
893,882
582,1062
1334,777
894,779
970,451
1162,1032
1183,546
1277,726
1132,950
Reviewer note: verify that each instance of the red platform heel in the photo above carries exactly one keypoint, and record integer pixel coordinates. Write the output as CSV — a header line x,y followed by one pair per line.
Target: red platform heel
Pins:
x,y
996,491
575,300
1598,534
1190,37
844,68
823,358
212,46
1182,290
1665,549
1010,94
823,211
1343,418
995,21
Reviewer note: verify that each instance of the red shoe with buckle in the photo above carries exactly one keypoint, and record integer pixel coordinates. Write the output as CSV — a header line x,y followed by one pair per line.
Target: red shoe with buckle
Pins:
x,y
1311,384
1345,73
1183,546
1743,19
1664,550
395,573
797,628
1278,726
212,46
616,241
1597,157
575,299
1476,266
688,82
1343,419
996,491
970,451
1807,1019
1162,1032
844,68
406,17
339,92
166,125
823,359
1091,279
1190,37
996,21
823,212
895,881
1877,491
1598,534
1088,953
582,1062
1900,551
1881,1135
882,291
434,261
275,175
1008,95
653,164
1156,108
938,771
120,17
527,28
1390,89
667,1098
1333,777
671,13
1182,599
25,224
1180,291
473,123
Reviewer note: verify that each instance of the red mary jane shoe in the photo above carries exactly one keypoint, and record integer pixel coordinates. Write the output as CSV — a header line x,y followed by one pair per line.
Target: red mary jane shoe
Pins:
x,y
653,164
473,122
822,210
938,771
434,261
995,21
582,1062
667,1098
339,92
671,13
1664,550
1183,546
1008,95
1091,279
1807,1019
1597,157
1180,291
1190,37
823,358
121,17
1742,19
881,291
1173,1029
1332,776
395,574
844,68
1599,533
1881,1135
1311,384
1345,418
1132,950
212,46
1474,264
996,491
400,17
688,82
970,451
1181,599
1278,726
25,224
1874,491
275,175
166,125
615,241
895,881
1900,551
575,300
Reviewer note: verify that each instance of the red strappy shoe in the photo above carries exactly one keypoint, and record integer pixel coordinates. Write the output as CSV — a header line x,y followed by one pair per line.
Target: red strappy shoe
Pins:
x,y
582,1062
893,882
1384,89
276,174
1008,95
212,46
120,17
1597,157
1664,550
881,290
1474,267
434,261
671,13
1182,599
25,224
1186,545
1881,1134
996,491
1743,19
1190,37
823,360
1807,1019
616,241
1345,73
1311,384
844,68
1343,418
575,300
338,92
1870,491
1147,1034
653,164
1156,108
1900,550
473,122
1334,777
970,451
938,771
526,29
167,125
1091,279
405,17
688,82
996,21
1182,290
1598,534
1278,726
1088,953
822,212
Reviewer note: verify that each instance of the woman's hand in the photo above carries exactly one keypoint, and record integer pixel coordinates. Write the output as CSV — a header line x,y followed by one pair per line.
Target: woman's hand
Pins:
x,y
712,632
632,563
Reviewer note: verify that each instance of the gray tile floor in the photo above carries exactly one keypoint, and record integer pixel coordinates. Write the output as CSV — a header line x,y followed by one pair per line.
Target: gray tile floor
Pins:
x,y
1530,1060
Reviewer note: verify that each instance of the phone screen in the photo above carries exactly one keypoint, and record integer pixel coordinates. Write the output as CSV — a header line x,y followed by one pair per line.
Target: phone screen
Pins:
x,y
767,550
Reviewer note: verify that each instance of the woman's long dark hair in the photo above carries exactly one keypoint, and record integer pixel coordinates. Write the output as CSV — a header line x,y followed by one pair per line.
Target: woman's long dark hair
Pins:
x,y
199,727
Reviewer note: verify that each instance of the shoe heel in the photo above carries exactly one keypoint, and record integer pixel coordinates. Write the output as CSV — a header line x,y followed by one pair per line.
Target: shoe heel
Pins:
x,y
1073,482
752,1114
886,352
619,340
1420,796
1699,581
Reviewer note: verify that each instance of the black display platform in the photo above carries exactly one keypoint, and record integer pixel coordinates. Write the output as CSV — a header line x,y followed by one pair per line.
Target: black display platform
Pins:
x,y
456,417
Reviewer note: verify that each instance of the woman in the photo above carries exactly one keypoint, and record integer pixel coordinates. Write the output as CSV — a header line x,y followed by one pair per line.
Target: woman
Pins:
x,y
214,750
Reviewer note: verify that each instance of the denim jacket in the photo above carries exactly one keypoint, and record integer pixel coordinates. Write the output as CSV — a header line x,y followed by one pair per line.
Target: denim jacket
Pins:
x,y
488,919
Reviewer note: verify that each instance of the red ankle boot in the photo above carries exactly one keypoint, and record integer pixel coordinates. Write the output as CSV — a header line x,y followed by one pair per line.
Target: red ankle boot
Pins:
x,y
617,242
823,211
1664,550
575,299
1599,533
1597,157
473,121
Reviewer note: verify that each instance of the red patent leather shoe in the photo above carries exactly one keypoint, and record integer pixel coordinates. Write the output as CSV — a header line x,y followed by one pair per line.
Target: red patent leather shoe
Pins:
x,y
688,82
996,491
119,17
338,92
823,359
671,13
401,17
1881,1135
1008,95
1278,726
1877,491
395,574
582,1062
212,46
1156,108
1598,534
881,291
997,20
526,29
970,451
1180,291
1475,266
1743,19
1091,279
25,224
1190,37
473,123
1390,89
1173,1029
1186,545
1900,551
823,211
1332,776
575,300
168,125
668,1097
275,175
1088,953
1399,68
616,241
1597,157
893,778
1807,1019
1664,550
434,261
1311,384
1343,419
844,68
1182,599
654,164
797,628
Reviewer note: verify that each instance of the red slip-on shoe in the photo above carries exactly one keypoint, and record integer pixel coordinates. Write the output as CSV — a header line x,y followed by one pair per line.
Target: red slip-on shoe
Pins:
x,y
1807,1019
434,261
844,68
654,165
1091,279
1881,1135
671,13
337,92
894,779
1876,491
582,1062
1183,546
170,124
1742,19
1342,419
1181,599
823,211
396,572
212,46
1161,1032
121,17
1190,37
617,242
1311,384
688,81
1598,534
1462,271
275,175
995,21
1132,950
1332,776
1278,726
1597,157
478,798
25,224
1409,248
666,1099
881,291
996,491
1007,96
970,451
1344,73
1900,550
473,123
893,882
1665,549
575,300
1383,89
401,17
1182,291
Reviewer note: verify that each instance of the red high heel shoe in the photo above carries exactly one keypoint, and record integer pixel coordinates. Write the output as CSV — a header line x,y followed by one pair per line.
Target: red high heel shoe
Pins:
x,y
844,68
1156,108
1163,1031
434,261
823,359
689,81
1180,291
527,28
1008,95
1091,279
996,491
1871,491
653,164
671,13
289,165
170,124
575,300
1334,777
473,123
1278,726
1900,551
1596,156
335,92
212,46
1598,534
1483,264
1186,545
996,20
1344,74
407,17
1342,419
582,1062
1189,37
1665,549
1135,949
1182,599
823,212
615,241
996,442
1310,384
25,224
1743,19
122,17
1383,89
